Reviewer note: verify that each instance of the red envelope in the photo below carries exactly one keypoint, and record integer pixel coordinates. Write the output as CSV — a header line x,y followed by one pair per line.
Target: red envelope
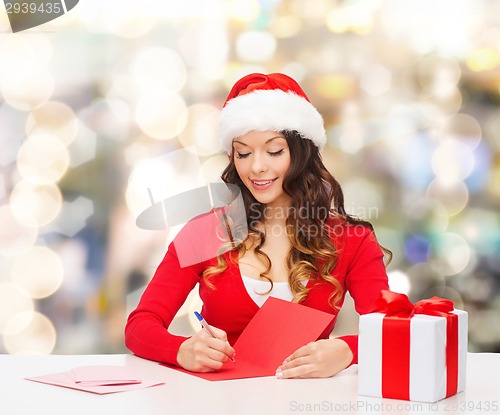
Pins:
x,y
277,330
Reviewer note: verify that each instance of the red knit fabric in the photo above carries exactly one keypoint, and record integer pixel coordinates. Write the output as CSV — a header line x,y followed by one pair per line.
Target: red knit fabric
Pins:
x,y
360,270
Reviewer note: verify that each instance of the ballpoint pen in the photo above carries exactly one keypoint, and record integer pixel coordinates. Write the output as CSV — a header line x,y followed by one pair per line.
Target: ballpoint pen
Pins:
x,y
207,328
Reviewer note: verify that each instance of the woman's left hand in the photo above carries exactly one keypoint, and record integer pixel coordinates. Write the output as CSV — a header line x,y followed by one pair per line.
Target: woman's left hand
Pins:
x,y
319,359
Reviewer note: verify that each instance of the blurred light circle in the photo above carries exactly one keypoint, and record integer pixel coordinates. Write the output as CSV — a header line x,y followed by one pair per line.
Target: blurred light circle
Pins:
x,y
441,109
375,79
38,271
363,199
244,10
202,130
350,17
3,189
136,152
351,132
492,129
24,53
132,19
392,238
12,301
483,59
158,69
447,292
43,159
336,20
17,55
129,20
43,49
161,115
416,248
438,75
27,91
14,236
481,227
214,166
147,174
463,128
286,26
423,275
450,253
295,69
427,216
494,183
255,46
479,286
452,195
29,333
399,282
55,118
205,50
110,118
452,161
335,86
35,205
484,328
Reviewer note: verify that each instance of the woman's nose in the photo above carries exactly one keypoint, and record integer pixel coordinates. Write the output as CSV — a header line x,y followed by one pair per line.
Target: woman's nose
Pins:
x,y
258,164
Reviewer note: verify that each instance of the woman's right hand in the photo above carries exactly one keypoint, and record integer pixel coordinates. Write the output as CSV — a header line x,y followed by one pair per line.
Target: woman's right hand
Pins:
x,y
203,353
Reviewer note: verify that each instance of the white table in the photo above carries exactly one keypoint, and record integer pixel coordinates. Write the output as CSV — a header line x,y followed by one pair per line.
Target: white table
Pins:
x,y
184,394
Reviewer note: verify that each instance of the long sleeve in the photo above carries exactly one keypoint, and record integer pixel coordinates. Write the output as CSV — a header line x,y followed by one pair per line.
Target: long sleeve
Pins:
x,y
146,332
366,276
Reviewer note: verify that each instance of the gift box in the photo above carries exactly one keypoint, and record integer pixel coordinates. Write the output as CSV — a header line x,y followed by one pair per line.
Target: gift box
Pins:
x,y
414,352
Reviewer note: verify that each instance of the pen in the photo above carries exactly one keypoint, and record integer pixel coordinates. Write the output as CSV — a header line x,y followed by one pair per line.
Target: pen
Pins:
x,y
207,328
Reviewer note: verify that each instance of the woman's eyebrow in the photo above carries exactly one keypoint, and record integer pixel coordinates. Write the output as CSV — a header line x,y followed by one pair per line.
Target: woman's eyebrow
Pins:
x,y
267,141
273,138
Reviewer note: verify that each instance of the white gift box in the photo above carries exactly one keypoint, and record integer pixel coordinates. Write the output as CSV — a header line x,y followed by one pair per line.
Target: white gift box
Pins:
x,y
427,363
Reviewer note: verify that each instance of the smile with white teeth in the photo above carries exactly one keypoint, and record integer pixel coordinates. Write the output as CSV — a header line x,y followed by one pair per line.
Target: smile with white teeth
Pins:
x,y
262,182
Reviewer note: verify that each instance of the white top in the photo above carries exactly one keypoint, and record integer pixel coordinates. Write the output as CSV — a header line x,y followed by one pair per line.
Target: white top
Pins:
x,y
258,290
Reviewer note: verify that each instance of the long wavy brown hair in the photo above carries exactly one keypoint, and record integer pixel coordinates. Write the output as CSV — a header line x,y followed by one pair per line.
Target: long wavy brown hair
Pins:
x,y
316,196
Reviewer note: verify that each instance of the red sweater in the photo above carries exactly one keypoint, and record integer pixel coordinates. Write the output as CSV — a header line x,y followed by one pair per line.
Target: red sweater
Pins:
x,y
360,270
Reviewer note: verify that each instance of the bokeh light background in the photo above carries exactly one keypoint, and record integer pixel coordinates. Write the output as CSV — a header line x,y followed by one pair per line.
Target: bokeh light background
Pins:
x,y
92,102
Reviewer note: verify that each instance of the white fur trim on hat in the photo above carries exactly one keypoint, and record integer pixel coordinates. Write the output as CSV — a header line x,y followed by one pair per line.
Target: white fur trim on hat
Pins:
x,y
270,110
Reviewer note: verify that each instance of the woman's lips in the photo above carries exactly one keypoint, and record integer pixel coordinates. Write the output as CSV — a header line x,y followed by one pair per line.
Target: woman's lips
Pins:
x,y
263,184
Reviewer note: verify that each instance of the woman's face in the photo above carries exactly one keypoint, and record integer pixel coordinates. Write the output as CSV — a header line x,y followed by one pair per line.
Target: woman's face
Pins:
x,y
262,159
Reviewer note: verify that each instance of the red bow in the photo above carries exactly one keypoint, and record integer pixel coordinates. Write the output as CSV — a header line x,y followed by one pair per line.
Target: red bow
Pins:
x,y
399,305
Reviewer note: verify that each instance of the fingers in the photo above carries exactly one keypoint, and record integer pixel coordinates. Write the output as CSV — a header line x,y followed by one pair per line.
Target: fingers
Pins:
x,y
220,334
300,364
322,358
204,353
224,347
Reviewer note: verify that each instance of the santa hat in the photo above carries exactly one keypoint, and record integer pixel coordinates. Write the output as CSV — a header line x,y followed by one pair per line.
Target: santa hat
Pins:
x,y
273,102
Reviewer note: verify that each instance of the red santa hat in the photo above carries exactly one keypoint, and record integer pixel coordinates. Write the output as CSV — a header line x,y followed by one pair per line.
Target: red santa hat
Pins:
x,y
273,102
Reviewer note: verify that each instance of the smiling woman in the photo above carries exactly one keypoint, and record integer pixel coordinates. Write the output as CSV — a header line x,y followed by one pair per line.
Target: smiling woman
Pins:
x,y
262,159
301,242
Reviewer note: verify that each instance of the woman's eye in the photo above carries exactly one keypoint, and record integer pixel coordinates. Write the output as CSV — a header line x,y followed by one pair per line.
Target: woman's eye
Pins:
x,y
242,155
276,153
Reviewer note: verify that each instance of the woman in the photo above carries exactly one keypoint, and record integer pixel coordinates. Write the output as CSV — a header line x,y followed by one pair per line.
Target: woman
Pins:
x,y
301,244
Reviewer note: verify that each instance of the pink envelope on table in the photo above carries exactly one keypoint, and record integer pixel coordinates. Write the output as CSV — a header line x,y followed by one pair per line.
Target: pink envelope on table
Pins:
x,y
277,330
97,379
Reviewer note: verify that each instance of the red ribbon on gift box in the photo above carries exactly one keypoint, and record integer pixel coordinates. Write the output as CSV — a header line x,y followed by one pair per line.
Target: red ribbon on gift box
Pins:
x,y
399,310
